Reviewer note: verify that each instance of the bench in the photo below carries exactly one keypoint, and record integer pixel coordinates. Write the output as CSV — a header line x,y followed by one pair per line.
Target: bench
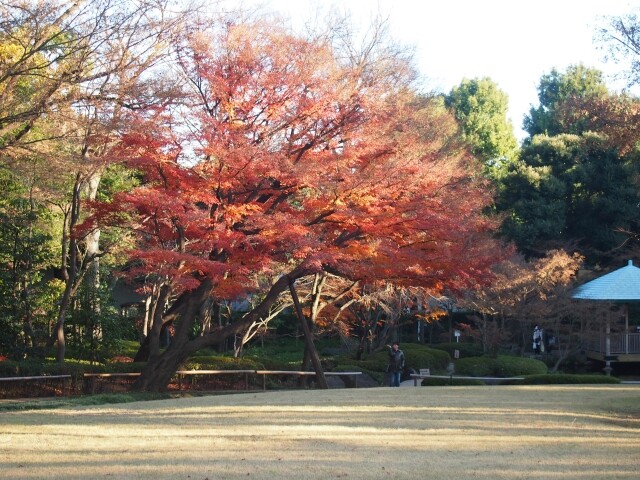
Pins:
x,y
423,373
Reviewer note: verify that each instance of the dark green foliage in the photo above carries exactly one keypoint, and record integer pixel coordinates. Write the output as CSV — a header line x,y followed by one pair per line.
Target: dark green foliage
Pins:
x,y
466,349
288,353
27,254
125,348
95,328
560,379
535,203
10,368
416,357
33,368
375,363
347,368
502,366
556,88
569,188
284,351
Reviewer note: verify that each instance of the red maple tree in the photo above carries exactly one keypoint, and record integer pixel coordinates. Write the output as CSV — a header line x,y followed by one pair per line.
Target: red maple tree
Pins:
x,y
294,159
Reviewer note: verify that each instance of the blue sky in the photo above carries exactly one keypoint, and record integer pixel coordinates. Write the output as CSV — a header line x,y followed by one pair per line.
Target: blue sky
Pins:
x,y
514,42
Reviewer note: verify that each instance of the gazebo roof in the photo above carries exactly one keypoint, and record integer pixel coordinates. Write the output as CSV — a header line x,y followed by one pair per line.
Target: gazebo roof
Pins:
x,y
620,285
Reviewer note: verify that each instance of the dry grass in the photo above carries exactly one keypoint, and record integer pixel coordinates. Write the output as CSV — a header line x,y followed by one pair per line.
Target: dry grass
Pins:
x,y
547,432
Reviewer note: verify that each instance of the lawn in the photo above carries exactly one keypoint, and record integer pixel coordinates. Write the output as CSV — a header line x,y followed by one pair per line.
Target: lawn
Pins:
x,y
500,432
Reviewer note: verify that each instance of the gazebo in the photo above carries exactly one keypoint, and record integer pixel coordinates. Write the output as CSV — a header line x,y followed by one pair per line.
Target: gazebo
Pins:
x,y
620,286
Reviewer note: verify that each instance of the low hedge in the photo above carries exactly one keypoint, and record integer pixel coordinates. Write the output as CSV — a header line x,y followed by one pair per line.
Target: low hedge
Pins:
x,y
419,356
563,379
465,349
9,368
500,366
345,367
446,382
34,368
416,357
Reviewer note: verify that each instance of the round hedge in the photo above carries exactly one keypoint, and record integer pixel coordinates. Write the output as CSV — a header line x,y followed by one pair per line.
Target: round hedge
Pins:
x,y
416,357
419,356
500,366
465,349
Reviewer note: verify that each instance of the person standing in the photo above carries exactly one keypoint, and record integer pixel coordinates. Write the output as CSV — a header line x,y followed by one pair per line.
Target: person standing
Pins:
x,y
396,364
537,340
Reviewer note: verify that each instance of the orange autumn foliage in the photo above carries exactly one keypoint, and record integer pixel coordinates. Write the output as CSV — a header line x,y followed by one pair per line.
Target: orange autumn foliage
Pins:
x,y
617,116
292,156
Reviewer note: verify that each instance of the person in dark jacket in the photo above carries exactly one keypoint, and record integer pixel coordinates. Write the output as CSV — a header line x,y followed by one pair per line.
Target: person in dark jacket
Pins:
x,y
396,364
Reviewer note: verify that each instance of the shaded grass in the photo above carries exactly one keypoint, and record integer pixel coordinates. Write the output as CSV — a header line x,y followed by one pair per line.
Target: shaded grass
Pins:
x,y
83,400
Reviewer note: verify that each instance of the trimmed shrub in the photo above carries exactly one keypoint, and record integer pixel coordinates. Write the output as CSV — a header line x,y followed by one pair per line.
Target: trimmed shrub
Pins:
x,y
10,368
347,368
501,366
563,379
466,349
416,357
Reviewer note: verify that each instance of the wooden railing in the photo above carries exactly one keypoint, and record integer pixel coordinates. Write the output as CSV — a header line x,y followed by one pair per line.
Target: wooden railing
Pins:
x,y
92,380
181,374
619,343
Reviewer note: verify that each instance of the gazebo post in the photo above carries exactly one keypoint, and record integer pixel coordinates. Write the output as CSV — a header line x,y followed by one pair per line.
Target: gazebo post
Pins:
x,y
626,328
607,346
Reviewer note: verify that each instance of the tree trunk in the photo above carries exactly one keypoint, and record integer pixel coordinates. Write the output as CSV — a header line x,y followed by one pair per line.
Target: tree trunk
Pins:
x,y
150,346
159,370
308,338
69,268
161,366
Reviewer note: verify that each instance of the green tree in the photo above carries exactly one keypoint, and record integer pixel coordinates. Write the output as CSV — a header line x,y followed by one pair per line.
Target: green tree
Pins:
x,y
554,89
481,110
535,211
569,189
27,254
